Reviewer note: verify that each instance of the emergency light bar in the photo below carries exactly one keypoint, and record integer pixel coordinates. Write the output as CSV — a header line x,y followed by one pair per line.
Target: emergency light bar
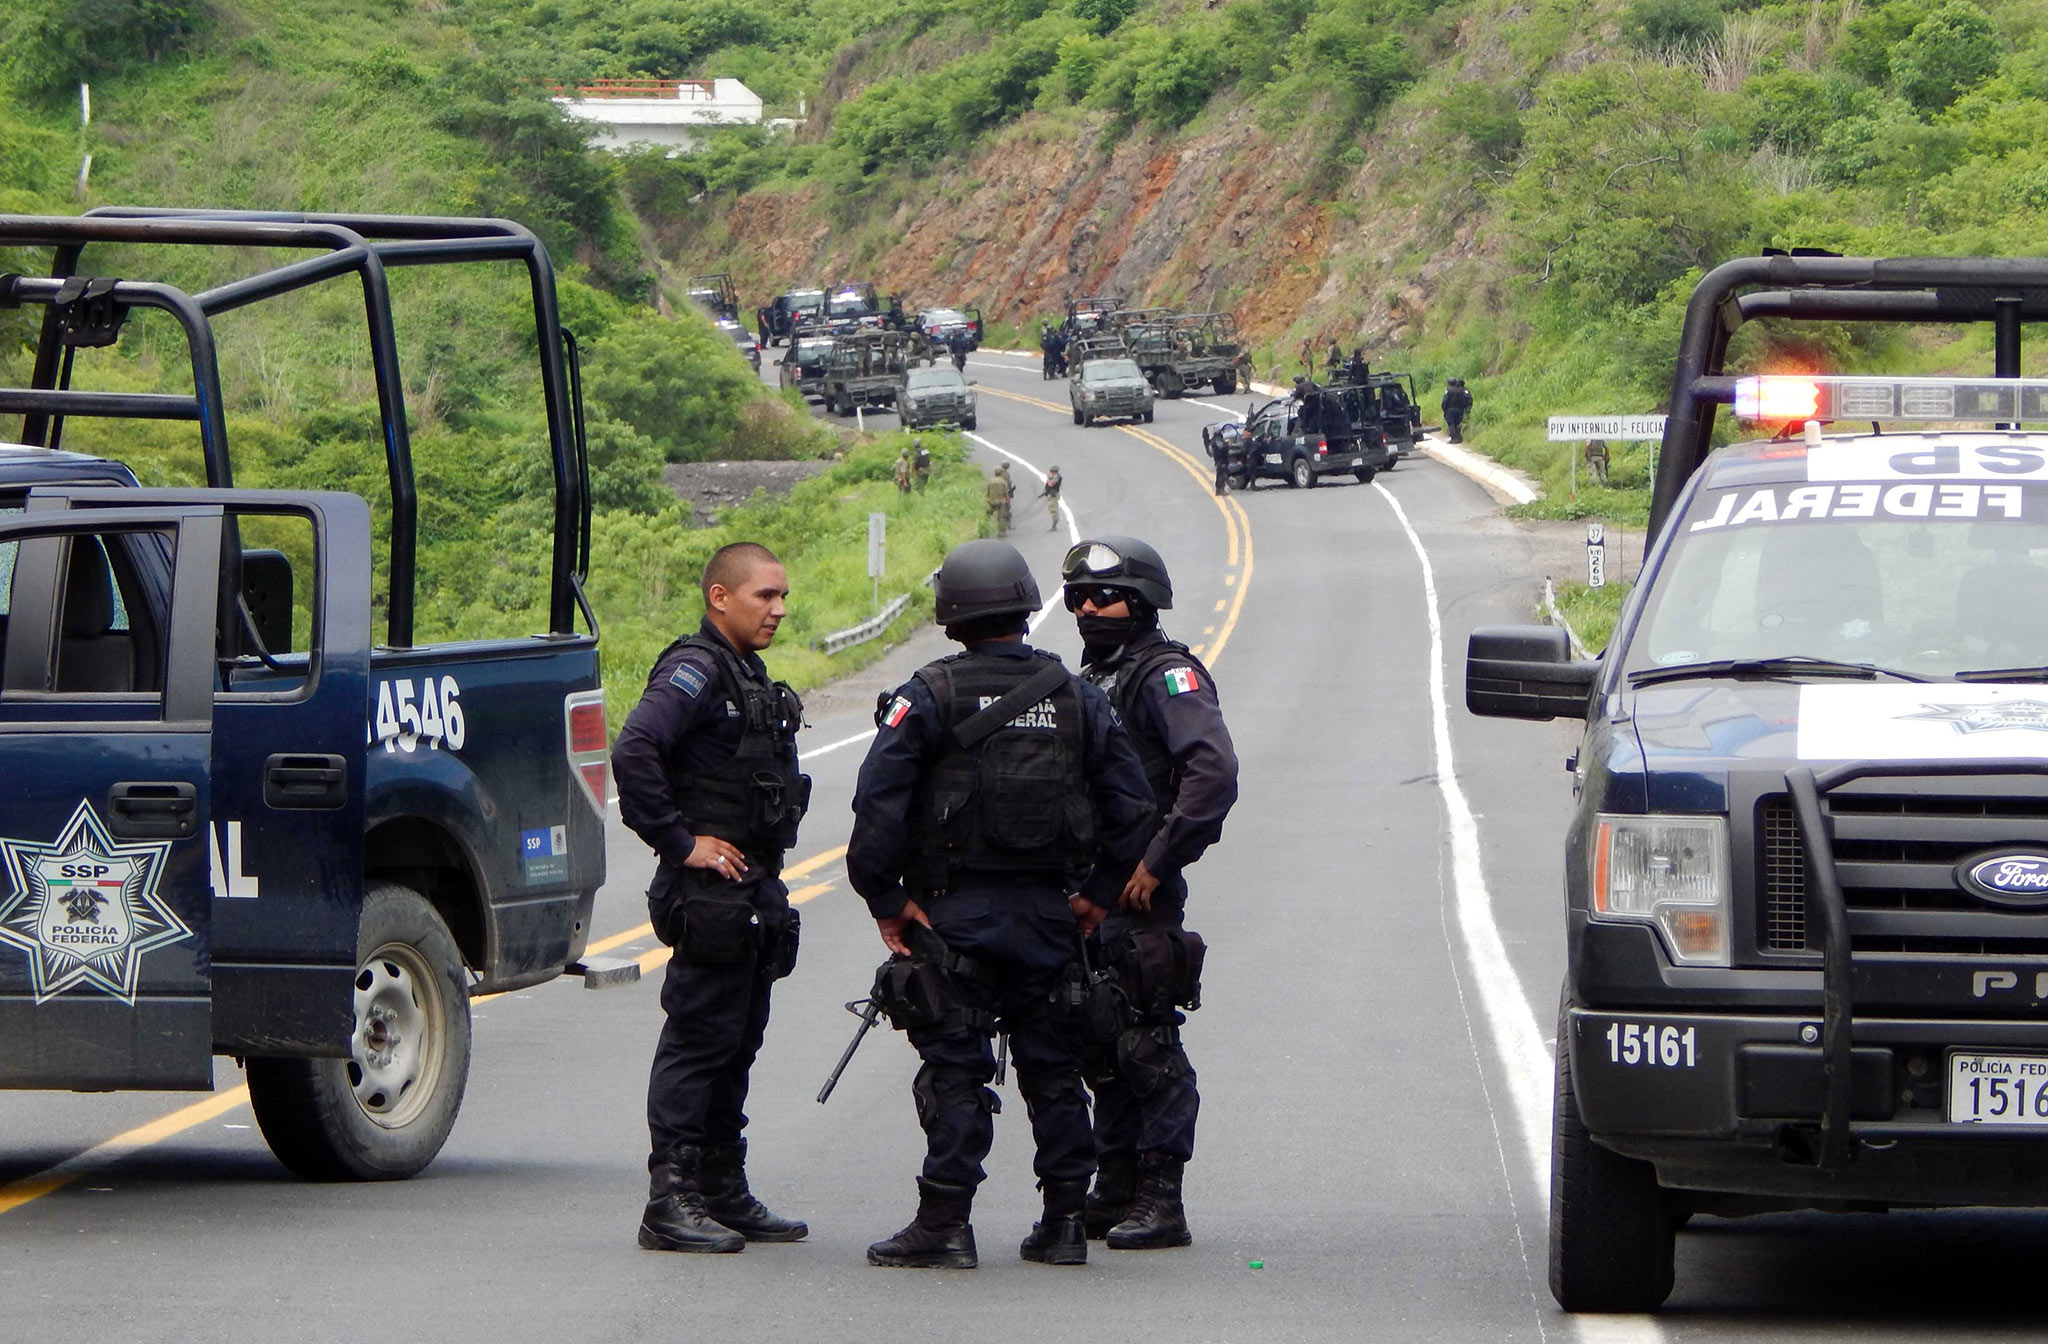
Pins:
x,y
1792,398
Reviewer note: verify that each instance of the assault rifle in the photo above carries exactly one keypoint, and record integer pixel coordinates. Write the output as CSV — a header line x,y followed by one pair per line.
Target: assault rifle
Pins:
x,y
872,1009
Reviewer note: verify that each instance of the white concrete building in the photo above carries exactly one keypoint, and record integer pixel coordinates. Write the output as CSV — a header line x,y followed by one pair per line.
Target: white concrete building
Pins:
x,y
674,113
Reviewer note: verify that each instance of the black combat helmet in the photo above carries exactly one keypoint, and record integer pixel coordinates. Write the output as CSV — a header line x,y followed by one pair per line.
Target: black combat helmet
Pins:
x,y
984,578
1121,562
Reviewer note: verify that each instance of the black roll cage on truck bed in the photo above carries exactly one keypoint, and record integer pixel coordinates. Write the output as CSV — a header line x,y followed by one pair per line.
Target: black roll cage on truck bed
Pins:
x,y
88,312
2000,290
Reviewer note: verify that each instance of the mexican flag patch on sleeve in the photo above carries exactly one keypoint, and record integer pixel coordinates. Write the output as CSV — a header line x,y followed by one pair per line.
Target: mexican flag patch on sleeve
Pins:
x,y
898,709
1180,680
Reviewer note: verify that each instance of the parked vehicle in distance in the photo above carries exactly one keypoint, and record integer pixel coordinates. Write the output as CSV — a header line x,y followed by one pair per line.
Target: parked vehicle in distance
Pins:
x,y
744,339
1107,387
939,324
935,394
716,295
799,307
1302,440
803,366
865,368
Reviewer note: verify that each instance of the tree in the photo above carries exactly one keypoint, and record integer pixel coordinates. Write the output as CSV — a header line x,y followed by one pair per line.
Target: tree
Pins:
x,y
1950,52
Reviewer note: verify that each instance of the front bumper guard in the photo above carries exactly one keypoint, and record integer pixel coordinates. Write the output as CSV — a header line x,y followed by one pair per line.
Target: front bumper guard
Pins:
x,y
1829,910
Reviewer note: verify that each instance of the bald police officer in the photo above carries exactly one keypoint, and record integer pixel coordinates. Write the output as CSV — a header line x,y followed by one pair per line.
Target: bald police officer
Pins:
x,y
707,772
1145,1097
1001,806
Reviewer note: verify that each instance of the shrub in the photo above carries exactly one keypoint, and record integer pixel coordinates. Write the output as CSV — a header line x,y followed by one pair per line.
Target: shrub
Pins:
x,y
1656,25
1947,54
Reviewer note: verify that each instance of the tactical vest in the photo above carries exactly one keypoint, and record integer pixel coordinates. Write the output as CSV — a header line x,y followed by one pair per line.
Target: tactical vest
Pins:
x,y
755,798
1005,798
1162,771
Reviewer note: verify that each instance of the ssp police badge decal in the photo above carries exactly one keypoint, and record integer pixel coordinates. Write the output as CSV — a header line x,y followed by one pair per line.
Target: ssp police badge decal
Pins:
x,y
84,909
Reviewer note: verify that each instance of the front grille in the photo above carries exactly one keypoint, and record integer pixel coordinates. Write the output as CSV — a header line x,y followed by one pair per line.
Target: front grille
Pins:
x,y
1896,856
1784,876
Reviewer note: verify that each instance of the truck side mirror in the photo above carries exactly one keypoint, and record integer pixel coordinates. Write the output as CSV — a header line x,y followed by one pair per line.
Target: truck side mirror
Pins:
x,y
1526,672
267,588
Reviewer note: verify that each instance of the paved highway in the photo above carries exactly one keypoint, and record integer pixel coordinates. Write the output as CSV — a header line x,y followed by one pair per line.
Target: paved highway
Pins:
x,y
1374,1045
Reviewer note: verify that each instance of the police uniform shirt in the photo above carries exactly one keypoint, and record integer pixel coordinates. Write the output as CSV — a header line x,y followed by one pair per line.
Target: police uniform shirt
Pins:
x,y
1176,707
907,741
685,722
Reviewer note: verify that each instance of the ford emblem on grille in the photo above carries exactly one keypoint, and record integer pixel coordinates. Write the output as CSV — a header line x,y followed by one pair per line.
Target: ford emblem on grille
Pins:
x,y
2013,877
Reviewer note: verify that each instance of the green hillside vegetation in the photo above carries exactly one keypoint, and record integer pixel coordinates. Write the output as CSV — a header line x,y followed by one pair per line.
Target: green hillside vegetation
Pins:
x,y
1607,153
364,105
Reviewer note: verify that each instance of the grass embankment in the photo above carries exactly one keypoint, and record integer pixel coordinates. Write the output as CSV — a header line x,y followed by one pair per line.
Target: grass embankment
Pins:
x,y
1592,612
644,573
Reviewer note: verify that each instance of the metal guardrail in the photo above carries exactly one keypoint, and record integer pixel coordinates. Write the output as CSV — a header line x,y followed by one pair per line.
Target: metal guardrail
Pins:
x,y
866,630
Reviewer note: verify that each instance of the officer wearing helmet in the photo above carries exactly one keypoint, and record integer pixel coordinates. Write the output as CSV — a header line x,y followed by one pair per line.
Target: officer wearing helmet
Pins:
x,y
1001,807
1145,1097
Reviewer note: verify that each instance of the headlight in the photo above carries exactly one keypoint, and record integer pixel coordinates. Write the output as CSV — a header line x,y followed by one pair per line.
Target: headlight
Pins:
x,y
1671,872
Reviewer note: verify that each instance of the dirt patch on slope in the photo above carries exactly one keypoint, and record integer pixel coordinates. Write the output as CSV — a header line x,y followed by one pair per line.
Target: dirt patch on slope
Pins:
x,y
710,486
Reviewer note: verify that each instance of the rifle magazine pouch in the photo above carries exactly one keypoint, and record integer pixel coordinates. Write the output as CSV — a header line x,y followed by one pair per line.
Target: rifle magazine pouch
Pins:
x,y
719,930
782,947
664,911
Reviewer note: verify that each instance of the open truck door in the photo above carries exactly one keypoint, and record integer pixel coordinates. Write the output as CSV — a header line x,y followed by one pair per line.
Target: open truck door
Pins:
x,y
143,770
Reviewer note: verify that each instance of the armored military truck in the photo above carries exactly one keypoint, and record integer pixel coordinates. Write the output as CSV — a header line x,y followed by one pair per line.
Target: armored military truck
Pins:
x,y
1806,880
935,394
237,819
1106,385
1177,354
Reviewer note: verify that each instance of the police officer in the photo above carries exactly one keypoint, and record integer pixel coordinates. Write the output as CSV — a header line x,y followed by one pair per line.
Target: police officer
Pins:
x,y
1000,806
707,772
1145,1097
1457,404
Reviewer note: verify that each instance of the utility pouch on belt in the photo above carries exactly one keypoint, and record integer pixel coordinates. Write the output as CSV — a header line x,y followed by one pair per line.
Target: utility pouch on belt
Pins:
x,y
719,930
1090,1000
931,989
779,807
1163,968
782,951
1148,1058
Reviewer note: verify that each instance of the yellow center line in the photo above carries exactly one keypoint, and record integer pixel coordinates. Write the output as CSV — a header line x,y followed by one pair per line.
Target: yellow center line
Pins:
x,y
1235,520
32,1187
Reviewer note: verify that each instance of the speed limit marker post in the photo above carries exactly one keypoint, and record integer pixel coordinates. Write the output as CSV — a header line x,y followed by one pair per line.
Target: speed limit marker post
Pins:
x,y
1596,555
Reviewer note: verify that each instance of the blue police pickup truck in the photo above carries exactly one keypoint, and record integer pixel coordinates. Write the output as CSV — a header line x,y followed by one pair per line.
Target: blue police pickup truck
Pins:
x,y
235,818
1806,883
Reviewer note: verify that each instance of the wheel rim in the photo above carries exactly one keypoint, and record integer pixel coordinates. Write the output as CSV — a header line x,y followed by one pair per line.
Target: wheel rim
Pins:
x,y
1301,473
396,1053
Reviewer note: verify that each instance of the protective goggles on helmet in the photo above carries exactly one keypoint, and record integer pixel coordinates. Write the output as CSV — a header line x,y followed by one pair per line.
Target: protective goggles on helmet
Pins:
x,y
1093,560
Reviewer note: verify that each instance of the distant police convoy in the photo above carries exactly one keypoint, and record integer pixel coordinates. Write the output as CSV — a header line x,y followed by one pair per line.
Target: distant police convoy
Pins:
x,y
1804,881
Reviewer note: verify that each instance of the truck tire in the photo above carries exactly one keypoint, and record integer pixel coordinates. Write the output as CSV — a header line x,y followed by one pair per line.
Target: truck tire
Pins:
x,y
1365,474
383,1113
847,407
1170,384
1146,417
1225,384
1077,417
968,424
1611,1230
1302,474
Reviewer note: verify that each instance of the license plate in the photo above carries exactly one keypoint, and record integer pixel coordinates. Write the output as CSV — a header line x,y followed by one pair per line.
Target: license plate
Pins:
x,y
1998,1089
1357,461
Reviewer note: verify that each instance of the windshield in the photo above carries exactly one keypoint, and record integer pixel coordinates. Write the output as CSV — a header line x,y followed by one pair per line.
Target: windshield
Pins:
x,y
943,317
809,352
1936,577
1102,370
920,379
847,305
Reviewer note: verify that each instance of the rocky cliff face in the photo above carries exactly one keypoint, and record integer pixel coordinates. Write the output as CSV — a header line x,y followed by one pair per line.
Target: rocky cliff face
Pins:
x,y
1225,218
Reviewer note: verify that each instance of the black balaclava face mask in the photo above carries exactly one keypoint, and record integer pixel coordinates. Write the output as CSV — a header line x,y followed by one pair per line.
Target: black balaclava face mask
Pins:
x,y
1102,636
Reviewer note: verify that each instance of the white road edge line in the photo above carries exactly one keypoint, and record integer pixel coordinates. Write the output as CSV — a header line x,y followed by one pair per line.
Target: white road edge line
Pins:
x,y
1052,603
1511,1021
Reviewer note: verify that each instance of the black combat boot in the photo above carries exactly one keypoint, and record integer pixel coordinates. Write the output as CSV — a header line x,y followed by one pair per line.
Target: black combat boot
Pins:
x,y
1109,1203
676,1219
727,1198
1157,1219
939,1237
1060,1237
